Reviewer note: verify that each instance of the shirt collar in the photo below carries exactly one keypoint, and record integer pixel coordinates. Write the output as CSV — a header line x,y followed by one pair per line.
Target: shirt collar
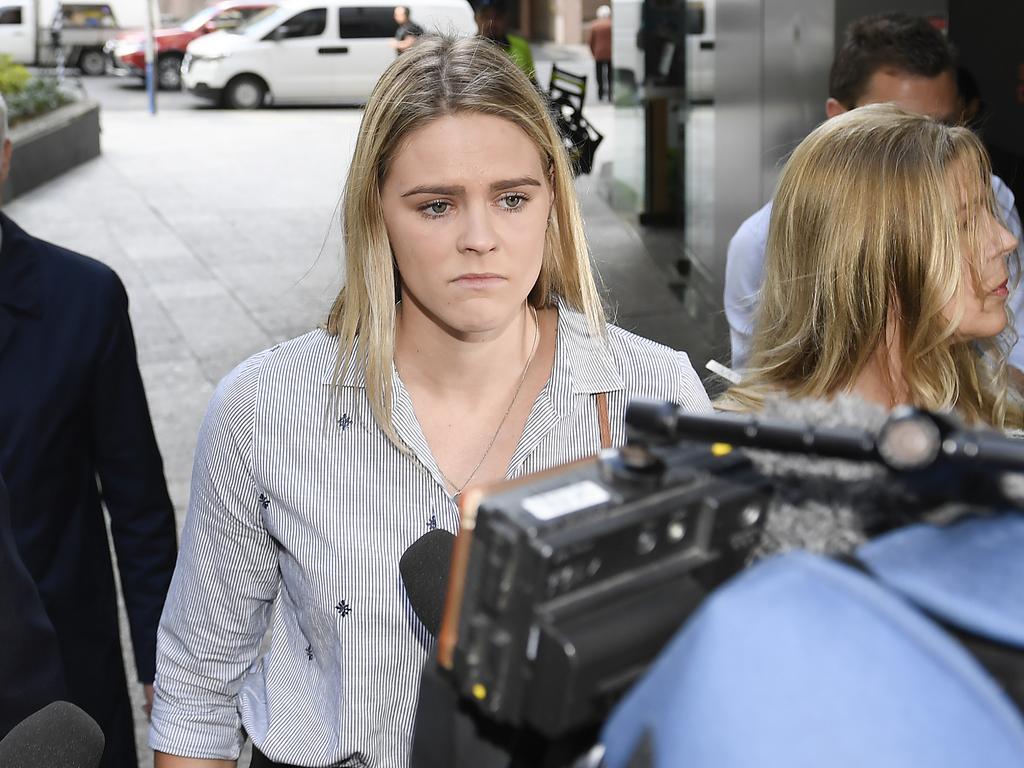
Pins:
x,y
583,364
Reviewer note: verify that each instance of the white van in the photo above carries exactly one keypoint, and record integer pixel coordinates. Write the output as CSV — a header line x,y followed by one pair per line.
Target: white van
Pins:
x,y
310,51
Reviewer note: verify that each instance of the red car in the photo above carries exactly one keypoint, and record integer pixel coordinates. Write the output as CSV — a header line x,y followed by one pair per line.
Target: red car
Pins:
x,y
128,50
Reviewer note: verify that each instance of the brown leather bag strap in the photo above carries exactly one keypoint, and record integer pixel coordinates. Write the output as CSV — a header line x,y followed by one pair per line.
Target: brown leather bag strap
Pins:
x,y
602,420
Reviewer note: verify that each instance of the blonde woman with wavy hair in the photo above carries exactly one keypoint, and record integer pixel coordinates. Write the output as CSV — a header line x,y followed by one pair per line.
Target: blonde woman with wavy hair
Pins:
x,y
467,346
886,272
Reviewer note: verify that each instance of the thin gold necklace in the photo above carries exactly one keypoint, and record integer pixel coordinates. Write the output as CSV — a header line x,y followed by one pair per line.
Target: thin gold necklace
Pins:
x,y
494,437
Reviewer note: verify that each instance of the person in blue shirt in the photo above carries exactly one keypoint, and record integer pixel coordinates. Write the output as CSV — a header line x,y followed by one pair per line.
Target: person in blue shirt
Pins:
x,y
888,58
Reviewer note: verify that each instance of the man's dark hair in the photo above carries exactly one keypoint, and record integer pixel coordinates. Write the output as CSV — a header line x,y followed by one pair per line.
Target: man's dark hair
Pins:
x,y
895,41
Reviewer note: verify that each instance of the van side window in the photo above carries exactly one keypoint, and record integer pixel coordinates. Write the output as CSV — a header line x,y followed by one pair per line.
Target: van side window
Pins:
x,y
10,15
366,22
306,24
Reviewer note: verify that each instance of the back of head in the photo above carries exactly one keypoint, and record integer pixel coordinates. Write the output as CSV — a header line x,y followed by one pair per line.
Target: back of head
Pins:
x,y
604,12
892,41
865,232
445,76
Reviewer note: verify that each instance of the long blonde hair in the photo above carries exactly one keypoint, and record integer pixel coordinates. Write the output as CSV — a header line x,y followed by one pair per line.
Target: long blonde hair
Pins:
x,y
865,238
435,78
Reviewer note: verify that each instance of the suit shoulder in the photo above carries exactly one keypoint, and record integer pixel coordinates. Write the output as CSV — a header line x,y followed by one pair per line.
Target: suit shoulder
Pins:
x,y
73,267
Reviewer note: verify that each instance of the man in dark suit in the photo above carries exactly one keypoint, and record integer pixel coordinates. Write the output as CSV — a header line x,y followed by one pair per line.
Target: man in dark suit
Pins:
x,y
73,411
31,673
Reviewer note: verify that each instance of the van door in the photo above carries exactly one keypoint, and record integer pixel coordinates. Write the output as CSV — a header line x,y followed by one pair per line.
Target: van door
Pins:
x,y
297,69
366,31
17,36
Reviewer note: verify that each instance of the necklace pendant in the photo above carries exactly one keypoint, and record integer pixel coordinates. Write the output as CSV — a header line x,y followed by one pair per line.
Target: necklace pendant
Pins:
x,y
456,498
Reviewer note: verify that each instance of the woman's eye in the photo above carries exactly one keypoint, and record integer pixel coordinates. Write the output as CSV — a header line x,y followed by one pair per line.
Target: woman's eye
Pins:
x,y
436,208
513,202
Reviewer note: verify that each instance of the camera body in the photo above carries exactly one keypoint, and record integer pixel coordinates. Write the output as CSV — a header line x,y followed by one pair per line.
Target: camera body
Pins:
x,y
566,584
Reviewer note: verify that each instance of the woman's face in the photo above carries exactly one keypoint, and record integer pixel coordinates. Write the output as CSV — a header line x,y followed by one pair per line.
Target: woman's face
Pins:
x,y
466,205
984,305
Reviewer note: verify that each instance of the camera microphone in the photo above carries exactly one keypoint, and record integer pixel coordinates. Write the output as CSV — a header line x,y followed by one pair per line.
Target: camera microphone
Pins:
x,y
60,735
424,568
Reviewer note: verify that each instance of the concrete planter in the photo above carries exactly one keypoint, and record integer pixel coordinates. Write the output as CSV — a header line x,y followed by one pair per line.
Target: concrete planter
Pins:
x,y
48,145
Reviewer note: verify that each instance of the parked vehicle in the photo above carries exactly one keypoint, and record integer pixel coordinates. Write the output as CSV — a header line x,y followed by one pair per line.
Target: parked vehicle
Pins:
x,y
128,51
309,51
30,29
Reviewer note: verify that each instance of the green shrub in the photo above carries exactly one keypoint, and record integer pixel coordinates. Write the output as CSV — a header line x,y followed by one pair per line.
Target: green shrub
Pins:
x,y
13,77
27,96
37,97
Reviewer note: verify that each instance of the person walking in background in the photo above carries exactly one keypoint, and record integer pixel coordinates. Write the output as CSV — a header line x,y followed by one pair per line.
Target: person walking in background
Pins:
x,y
600,41
492,22
407,33
73,409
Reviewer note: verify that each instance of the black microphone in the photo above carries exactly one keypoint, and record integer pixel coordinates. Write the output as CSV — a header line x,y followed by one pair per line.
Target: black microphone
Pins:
x,y
424,569
60,735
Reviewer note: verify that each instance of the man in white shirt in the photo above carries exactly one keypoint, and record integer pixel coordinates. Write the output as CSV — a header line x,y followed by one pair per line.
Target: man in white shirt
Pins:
x,y
887,58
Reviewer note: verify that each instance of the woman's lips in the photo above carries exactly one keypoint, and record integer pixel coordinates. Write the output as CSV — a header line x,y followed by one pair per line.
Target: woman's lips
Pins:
x,y
1003,289
481,280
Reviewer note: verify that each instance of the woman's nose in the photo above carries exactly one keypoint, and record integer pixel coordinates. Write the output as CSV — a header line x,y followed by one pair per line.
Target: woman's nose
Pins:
x,y
478,233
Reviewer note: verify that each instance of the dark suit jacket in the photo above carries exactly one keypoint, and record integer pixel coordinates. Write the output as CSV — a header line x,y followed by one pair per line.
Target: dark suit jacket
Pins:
x,y
31,673
73,411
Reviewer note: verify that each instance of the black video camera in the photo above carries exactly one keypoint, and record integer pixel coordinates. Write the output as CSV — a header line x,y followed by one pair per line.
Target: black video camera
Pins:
x,y
566,584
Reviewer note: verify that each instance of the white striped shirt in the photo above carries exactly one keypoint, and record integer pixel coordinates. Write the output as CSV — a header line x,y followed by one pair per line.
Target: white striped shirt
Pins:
x,y
307,507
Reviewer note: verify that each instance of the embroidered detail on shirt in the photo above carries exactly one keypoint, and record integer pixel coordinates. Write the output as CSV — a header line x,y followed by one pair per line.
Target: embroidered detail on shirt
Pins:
x,y
264,500
309,651
343,608
344,422
432,523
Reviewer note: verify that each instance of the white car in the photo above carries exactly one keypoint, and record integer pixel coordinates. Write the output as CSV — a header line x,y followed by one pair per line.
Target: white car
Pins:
x,y
304,51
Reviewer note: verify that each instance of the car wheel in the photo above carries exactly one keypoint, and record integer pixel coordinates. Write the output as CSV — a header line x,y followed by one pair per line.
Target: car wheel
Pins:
x,y
92,62
245,92
168,72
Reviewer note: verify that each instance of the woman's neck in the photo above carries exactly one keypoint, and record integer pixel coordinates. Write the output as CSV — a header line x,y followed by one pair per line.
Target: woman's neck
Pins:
x,y
881,380
430,355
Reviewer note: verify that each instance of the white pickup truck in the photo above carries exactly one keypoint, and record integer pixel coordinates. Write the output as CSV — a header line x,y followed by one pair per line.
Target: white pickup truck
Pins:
x,y
29,28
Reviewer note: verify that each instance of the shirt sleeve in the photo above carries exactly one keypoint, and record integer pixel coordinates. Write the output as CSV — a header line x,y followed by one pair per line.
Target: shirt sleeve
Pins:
x,y
744,273
131,475
223,588
691,393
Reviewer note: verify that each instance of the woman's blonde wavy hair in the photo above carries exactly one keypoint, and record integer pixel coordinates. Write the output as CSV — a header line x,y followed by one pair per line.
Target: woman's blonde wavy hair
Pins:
x,y
442,76
865,235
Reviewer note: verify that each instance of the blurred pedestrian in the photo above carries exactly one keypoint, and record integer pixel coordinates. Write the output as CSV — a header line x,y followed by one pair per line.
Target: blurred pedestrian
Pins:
x,y
600,41
407,33
492,22
73,411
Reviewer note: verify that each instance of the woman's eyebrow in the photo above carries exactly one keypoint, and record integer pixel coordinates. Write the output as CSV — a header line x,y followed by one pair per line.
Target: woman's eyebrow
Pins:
x,y
451,191
427,189
522,181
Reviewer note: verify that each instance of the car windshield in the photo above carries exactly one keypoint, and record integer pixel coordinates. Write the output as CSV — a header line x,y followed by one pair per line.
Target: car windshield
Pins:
x,y
253,20
194,22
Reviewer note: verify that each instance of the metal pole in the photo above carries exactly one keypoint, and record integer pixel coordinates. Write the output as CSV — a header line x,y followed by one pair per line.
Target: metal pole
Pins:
x,y
150,56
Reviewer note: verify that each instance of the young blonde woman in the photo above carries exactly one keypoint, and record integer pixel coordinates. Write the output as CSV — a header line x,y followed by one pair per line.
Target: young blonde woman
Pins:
x,y
467,346
886,272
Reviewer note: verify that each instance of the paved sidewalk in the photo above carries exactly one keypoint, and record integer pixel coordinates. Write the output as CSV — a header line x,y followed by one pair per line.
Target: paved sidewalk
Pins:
x,y
224,228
